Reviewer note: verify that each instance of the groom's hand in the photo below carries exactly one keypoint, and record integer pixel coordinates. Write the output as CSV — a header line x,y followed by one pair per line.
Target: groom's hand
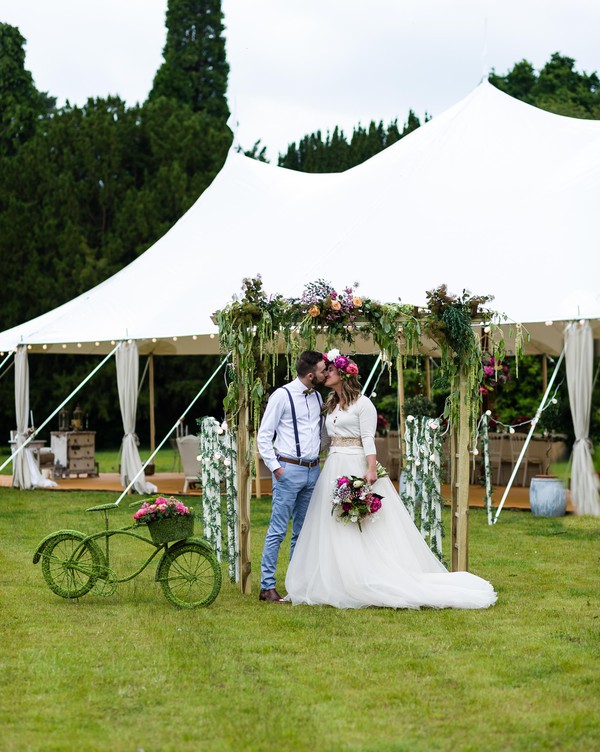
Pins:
x,y
278,473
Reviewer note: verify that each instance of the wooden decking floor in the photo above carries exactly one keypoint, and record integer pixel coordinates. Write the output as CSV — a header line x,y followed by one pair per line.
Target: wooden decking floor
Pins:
x,y
172,484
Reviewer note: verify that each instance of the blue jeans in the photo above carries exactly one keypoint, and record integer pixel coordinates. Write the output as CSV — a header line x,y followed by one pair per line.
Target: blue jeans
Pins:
x,y
291,494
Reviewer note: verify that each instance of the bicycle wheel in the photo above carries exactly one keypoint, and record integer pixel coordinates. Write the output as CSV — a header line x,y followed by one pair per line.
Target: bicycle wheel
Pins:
x,y
71,566
190,576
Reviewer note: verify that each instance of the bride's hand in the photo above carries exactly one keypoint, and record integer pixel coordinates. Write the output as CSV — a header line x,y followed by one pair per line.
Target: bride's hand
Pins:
x,y
371,476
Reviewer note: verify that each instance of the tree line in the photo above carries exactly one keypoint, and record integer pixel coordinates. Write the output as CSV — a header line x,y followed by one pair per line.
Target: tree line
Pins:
x,y
85,190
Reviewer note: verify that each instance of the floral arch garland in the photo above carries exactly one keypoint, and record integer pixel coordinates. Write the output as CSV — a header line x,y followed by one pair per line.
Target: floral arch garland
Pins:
x,y
257,330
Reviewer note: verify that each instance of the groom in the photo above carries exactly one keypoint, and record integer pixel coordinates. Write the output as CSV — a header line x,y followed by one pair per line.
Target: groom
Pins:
x,y
292,420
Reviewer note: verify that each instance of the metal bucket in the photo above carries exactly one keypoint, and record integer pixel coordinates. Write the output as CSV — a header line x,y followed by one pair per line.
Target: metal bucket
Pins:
x,y
547,496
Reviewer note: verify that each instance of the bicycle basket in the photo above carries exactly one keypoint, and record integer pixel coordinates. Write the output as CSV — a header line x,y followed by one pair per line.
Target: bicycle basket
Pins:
x,y
171,529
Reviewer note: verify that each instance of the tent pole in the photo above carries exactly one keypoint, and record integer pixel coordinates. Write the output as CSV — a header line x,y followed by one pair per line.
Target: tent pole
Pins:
x,y
529,435
151,387
8,357
60,407
368,381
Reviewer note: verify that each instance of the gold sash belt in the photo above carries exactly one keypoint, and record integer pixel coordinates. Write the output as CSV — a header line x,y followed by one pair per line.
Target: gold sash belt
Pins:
x,y
338,441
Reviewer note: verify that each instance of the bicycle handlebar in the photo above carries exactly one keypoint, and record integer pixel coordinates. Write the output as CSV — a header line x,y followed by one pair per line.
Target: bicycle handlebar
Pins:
x,y
102,508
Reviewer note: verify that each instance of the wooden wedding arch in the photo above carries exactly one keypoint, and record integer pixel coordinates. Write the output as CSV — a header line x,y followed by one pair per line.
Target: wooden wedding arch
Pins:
x,y
257,330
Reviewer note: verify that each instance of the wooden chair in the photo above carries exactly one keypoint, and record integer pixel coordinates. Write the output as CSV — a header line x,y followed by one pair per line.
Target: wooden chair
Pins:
x,y
189,449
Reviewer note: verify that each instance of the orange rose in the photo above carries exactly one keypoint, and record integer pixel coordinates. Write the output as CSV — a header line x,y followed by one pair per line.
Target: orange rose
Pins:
x,y
336,305
314,311
357,302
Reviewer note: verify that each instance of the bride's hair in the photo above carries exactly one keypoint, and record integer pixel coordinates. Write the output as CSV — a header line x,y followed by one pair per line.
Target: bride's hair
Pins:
x,y
351,391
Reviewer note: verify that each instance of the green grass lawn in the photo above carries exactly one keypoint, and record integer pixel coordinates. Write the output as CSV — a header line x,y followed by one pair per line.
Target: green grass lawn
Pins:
x,y
130,672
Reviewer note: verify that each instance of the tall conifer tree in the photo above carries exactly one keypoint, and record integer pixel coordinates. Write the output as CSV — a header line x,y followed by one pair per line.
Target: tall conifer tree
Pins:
x,y
21,104
195,68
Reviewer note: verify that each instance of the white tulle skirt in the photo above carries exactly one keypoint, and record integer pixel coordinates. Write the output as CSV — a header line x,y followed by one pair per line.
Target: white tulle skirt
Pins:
x,y
387,564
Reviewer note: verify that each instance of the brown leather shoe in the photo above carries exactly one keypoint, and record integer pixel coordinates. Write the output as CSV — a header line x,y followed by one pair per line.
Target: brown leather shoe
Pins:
x,y
272,596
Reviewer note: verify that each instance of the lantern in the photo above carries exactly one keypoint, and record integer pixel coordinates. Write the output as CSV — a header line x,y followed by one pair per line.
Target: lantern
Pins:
x,y
63,419
77,421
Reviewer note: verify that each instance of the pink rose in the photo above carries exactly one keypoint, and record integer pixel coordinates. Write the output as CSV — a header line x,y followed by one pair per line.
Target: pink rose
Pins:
x,y
488,370
352,369
342,481
375,504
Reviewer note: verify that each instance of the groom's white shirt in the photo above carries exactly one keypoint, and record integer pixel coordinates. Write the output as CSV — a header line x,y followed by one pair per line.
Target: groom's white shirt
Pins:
x,y
278,419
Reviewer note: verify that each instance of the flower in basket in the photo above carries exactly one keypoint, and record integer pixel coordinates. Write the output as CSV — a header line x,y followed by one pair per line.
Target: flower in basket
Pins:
x,y
353,500
161,509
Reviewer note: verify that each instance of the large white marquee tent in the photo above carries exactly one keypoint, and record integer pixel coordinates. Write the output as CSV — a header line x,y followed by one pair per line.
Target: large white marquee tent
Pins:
x,y
493,196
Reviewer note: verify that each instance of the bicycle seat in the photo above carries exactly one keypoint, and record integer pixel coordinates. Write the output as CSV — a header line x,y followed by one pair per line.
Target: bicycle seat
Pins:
x,y
102,508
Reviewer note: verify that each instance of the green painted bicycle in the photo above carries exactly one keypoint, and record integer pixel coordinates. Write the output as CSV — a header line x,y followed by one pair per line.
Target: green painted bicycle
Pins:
x,y
74,563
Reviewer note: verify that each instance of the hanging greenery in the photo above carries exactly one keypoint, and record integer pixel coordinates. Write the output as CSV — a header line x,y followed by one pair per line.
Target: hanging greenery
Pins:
x,y
218,451
257,329
421,479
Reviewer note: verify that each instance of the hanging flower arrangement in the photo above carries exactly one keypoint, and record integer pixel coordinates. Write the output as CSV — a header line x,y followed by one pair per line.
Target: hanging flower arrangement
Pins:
x,y
328,310
256,328
496,373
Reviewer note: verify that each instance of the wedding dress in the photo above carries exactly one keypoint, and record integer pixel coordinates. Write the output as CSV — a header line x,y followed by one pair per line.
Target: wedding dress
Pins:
x,y
388,563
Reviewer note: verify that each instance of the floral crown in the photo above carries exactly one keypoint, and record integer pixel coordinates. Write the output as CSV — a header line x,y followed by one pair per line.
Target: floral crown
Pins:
x,y
342,362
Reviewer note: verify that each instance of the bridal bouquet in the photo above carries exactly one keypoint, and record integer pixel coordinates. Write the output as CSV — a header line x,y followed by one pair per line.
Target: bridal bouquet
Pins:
x,y
353,500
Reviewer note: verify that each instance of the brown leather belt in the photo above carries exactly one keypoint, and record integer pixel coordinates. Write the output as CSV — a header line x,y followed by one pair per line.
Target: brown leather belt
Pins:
x,y
302,463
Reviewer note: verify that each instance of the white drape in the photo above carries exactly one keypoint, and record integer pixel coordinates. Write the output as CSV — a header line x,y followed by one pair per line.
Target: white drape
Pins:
x,y
579,349
26,472
127,361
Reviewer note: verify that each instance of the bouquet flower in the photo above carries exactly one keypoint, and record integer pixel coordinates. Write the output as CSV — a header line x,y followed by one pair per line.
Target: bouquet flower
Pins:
x,y
161,509
353,500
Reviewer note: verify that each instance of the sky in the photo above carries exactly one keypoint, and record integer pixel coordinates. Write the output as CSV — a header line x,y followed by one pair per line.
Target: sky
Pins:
x,y
298,66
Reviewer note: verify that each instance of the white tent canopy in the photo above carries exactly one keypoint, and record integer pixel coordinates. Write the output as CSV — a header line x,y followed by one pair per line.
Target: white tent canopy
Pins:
x,y
494,196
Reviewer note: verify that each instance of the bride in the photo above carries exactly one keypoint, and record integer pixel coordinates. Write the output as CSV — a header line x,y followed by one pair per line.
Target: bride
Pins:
x,y
386,561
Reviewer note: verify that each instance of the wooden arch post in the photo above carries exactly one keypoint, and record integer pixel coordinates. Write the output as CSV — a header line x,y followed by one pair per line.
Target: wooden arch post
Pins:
x,y
244,488
459,444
